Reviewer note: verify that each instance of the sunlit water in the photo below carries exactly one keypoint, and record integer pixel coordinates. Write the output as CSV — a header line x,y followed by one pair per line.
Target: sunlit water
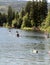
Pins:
x,y
19,50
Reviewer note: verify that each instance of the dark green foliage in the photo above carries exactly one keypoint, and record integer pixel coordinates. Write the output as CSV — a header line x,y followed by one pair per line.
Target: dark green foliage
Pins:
x,y
41,12
15,25
22,13
19,23
28,7
1,23
3,19
44,8
37,11
33,14
17,15
46,24
26,21
11,16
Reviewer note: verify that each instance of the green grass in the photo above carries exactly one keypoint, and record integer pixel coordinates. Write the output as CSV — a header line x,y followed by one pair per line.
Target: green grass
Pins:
x,y
44,29
27,28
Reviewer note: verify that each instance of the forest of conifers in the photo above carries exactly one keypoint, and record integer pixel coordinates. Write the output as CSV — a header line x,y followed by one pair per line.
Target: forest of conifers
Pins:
x,y
34,14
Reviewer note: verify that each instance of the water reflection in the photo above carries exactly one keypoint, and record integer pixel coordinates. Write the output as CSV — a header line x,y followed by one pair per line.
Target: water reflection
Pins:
x,y
19,51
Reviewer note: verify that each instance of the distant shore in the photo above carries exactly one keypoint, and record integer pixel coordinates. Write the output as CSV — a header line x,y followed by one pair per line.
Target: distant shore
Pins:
x,y
38,29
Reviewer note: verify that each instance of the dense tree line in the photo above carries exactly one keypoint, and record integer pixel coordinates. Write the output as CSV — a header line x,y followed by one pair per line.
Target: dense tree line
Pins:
x,y
37,11
32,15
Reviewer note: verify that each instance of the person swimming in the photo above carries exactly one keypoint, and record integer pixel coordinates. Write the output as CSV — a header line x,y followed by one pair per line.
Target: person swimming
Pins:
x,y
17,33
35,51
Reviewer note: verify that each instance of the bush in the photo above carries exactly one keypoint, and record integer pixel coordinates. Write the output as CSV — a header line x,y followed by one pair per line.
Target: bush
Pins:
x,y
26,21
14,23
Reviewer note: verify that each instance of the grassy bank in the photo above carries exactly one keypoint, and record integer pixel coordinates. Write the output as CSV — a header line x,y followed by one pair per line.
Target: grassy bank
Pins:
x,y
32,29
40,29
27,28
44,29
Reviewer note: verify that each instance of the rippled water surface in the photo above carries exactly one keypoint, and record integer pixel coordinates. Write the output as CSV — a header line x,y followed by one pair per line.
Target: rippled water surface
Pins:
x,y
19,50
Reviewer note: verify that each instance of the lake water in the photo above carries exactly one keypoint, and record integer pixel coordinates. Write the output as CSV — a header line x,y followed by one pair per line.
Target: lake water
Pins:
x,y
19,50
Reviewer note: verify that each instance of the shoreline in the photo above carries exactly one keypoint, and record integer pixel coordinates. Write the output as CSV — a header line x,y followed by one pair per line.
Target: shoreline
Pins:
x,y
30,29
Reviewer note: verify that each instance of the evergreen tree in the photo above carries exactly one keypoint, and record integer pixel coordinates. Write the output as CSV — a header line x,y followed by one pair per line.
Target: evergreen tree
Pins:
x,y
19,22
38,12
13,15
22,13
26,21
17,16
1,23
28,7
4,18
47,21
10,16
44,8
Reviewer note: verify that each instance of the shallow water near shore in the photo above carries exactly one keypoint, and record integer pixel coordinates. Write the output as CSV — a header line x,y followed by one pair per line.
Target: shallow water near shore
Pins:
x,y
19,50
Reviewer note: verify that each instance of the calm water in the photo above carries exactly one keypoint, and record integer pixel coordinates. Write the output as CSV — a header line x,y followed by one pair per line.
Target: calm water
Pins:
x,y
19,50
